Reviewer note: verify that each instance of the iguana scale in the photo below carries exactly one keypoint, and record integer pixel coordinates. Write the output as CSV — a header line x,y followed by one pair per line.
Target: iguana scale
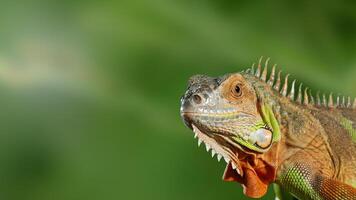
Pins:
x,y
273,133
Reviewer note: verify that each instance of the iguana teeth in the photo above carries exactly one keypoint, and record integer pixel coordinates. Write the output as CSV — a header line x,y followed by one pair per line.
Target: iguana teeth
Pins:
x,y
207,147
213,153
195,135
219,157
233,166
227,160
199,142
238,171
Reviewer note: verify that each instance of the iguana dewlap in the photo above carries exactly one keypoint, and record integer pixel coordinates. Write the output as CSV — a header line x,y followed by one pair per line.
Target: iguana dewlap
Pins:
x,y
272,133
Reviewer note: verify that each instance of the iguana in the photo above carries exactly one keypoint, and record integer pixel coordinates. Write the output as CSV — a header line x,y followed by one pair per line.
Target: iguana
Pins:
x,y
273,133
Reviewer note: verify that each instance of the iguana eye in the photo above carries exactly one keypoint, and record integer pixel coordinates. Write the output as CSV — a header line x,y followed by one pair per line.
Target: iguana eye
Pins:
x,y
237,90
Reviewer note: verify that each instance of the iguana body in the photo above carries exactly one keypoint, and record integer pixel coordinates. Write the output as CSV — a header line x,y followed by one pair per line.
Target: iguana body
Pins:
x,y
269,135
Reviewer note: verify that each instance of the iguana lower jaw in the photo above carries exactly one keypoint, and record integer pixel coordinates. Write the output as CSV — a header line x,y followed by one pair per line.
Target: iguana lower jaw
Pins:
x,y
242,166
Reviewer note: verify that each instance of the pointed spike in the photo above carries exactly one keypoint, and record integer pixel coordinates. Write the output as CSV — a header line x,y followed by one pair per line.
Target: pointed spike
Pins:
x,y
312,102
278,82
258,71
318,98
199,142
343,102
349,102
253,69
271,78
227,160
233,165
213,153
195,135
292,91
264,73
207,147
337,101
238,171
285,86
219,157
331,101
300,94
325,103
306,97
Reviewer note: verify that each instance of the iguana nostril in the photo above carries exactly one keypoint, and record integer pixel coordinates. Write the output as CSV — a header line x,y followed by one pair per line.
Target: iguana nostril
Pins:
x,y
197,99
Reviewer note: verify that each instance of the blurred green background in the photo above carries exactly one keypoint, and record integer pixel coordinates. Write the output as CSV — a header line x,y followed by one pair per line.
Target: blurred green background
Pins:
x,y
89,90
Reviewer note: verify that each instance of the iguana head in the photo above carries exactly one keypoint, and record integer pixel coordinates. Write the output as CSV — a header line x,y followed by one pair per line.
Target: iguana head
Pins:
x,y
227,114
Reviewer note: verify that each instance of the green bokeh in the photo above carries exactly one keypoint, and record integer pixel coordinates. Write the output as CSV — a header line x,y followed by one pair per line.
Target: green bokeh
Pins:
x,y
89,105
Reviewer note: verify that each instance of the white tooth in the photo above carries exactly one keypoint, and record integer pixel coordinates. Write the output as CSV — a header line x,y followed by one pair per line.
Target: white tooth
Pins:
x,y
199,142
219,157
237,170
233,166
227,160
207,147
195,135
212,153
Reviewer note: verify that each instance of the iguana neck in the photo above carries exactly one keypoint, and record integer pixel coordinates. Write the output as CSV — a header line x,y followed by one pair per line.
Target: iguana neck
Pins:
x,y
299,130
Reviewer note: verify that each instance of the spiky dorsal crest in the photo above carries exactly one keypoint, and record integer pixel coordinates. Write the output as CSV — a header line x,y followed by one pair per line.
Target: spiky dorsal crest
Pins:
x,y
303,97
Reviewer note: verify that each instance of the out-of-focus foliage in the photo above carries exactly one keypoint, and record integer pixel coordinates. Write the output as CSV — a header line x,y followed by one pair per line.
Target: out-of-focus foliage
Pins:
x,y
89,90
